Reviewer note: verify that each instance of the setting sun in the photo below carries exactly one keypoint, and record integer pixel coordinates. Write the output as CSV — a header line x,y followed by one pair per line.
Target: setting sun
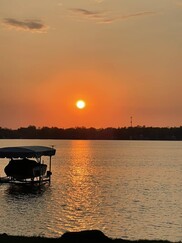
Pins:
x,y
80,104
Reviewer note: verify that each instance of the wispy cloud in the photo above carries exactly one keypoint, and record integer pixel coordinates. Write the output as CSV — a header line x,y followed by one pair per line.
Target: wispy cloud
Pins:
x,y
105,17
138,14
87,13
26,25
99,17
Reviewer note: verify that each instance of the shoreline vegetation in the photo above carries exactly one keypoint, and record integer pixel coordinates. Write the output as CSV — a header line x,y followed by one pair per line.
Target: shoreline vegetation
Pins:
x,y
83,133
86,236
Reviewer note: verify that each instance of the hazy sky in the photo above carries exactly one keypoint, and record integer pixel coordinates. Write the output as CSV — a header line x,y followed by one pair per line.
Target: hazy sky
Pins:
x,y
123,57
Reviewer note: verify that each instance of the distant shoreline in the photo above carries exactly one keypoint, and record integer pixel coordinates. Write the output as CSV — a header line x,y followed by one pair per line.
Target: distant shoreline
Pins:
x,y
83,133
87,236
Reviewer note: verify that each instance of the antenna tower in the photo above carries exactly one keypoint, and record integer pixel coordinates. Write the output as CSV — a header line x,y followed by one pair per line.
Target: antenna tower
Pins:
x,y
131,121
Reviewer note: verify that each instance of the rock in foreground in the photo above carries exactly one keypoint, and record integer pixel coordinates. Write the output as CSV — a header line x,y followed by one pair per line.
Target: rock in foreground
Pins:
x,y
86,236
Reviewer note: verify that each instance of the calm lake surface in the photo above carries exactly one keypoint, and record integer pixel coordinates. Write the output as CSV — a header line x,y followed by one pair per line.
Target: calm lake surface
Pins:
x,y
127,189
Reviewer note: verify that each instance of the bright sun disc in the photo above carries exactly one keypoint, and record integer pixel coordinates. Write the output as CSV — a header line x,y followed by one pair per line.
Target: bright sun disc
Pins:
x,y
80,104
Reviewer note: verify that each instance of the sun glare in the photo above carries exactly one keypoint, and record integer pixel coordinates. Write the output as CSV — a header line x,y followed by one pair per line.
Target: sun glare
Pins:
x,y
80,104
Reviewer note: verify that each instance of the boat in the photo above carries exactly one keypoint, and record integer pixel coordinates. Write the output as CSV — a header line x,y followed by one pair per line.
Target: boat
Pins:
x,y
24,169
26,164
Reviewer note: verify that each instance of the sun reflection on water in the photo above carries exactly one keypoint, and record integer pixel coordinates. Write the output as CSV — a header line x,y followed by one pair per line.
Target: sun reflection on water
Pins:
x,y
83,194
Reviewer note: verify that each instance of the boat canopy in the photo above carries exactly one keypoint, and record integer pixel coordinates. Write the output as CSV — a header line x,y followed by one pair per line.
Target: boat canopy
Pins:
x,y
26,152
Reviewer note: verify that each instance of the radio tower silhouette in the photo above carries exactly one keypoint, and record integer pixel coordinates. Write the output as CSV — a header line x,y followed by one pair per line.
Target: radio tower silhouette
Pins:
x,y
131,121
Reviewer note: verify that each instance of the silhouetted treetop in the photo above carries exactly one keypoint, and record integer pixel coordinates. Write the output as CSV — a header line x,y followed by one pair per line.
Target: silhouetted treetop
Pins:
x,y
110,133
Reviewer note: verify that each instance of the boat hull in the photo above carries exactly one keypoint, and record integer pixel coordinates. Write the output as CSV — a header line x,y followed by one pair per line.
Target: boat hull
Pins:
x,y
24,169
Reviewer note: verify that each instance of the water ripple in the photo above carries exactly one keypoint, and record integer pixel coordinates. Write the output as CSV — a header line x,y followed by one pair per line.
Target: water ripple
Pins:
x,y
127,189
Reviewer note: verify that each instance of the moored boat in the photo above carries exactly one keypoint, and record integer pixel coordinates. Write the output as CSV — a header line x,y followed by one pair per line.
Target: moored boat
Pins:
x,y
22,167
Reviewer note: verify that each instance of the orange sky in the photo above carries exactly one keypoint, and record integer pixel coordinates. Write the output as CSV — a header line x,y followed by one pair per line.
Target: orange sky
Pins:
x,y
122,57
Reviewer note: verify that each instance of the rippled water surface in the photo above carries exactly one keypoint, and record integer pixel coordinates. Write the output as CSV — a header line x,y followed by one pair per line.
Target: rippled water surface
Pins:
x,y
127,189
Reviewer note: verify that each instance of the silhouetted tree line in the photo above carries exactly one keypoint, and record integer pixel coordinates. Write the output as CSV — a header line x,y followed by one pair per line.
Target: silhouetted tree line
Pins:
x,y
121,133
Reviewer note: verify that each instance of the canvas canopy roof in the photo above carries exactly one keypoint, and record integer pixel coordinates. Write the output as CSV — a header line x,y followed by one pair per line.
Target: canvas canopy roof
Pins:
x,y
26,152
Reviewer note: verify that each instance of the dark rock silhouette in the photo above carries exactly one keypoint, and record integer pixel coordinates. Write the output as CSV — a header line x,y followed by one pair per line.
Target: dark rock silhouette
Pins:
x,y
85,236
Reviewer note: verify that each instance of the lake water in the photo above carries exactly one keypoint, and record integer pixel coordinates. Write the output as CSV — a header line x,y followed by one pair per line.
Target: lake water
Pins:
x,y
127,189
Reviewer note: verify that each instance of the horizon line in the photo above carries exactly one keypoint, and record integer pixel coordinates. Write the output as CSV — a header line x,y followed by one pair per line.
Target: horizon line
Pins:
x,y
84,127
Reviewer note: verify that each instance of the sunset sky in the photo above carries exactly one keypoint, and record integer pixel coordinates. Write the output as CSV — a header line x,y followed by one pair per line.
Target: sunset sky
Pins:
x,y
122,57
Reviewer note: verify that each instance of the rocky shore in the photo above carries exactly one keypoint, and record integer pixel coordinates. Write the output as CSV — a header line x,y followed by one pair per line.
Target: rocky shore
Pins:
x,y
87,236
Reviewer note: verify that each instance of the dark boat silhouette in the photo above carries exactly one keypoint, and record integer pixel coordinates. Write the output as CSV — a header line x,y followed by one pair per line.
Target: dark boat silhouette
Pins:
x,y
26,165
24,169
